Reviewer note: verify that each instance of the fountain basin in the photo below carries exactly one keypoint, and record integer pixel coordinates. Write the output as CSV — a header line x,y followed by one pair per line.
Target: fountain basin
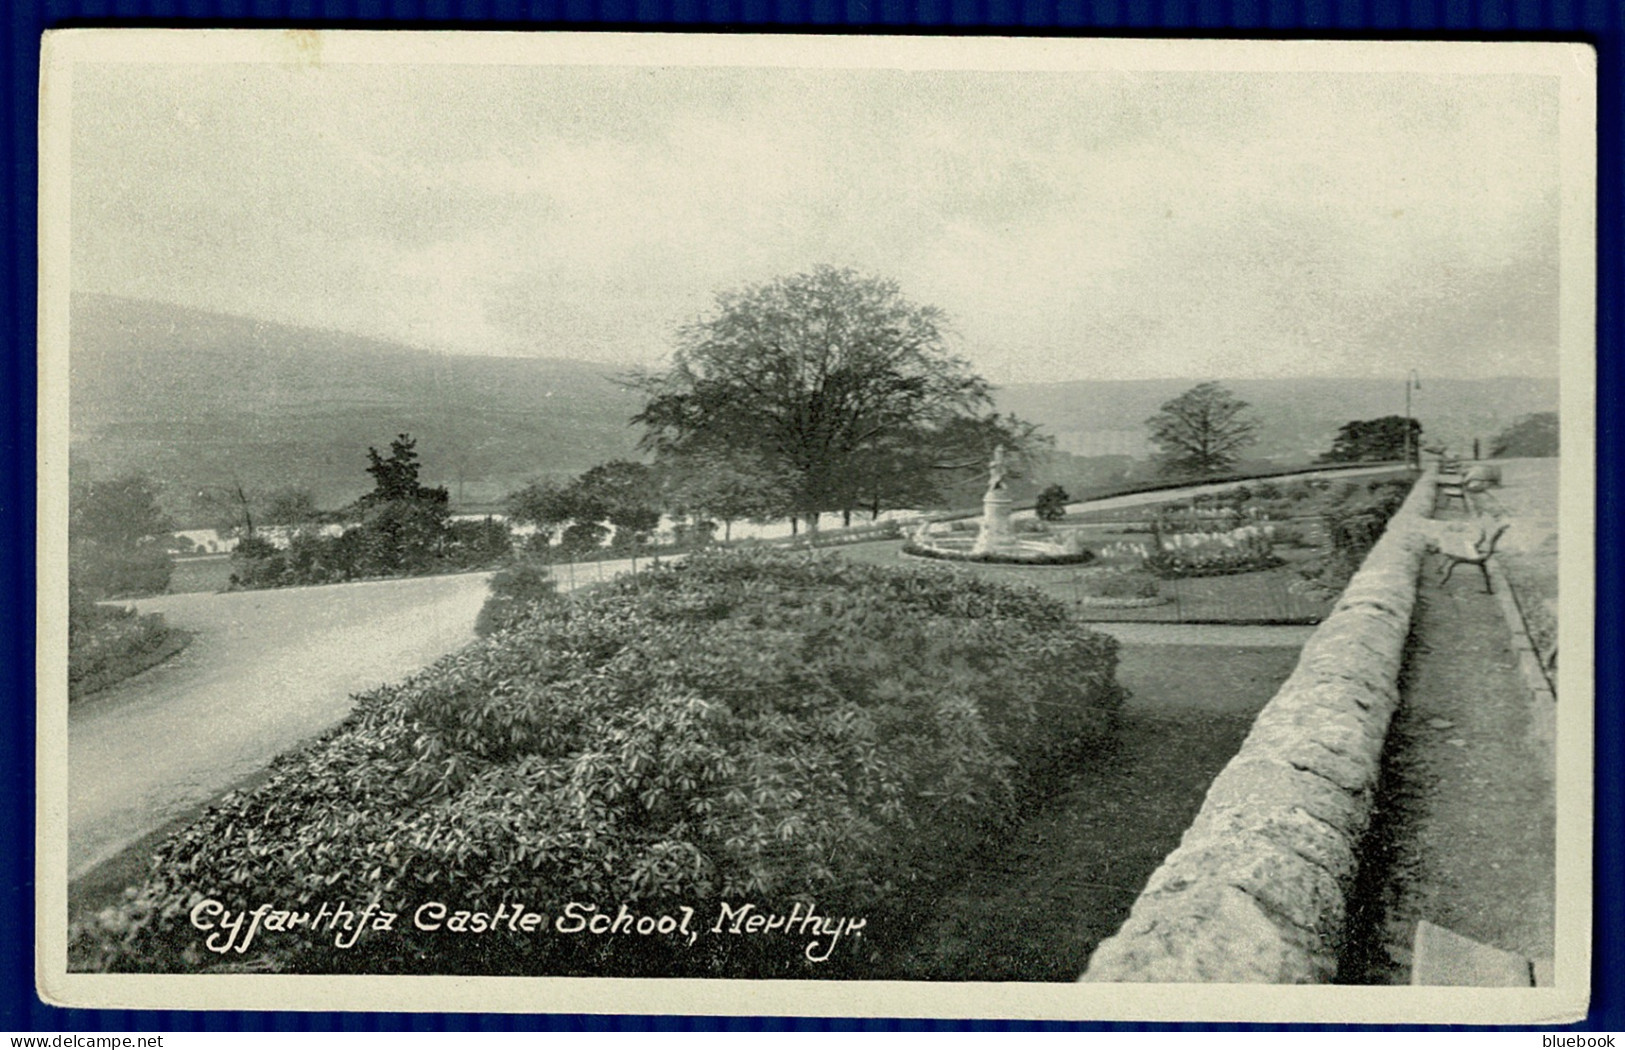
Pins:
x,y
1030,553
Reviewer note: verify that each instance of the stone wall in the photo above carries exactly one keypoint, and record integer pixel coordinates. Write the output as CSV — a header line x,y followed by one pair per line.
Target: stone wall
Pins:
x,y
1257,890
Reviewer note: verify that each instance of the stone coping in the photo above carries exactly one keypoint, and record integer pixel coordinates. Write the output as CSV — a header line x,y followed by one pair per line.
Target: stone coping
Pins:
x,y
1257,890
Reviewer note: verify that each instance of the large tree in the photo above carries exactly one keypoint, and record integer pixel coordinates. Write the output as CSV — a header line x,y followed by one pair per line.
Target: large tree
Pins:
x,y
623,493
1202,431
122,511
829,383
1369,440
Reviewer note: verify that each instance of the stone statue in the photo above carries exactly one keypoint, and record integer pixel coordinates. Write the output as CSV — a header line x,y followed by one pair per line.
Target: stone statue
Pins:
x,y
995,469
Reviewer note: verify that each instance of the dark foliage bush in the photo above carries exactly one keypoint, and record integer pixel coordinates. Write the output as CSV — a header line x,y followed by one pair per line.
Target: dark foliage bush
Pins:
x,y
107,644
524,589
397,538
1355,517
1353,520
1051,505
474,544
1532,435
120,571
741,726
582,537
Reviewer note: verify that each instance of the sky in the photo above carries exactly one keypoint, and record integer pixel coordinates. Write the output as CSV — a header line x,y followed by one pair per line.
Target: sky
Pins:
x,y
1072,225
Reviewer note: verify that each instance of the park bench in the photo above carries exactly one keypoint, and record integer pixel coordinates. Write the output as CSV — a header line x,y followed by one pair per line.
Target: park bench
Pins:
x,y
1449,487
1475,553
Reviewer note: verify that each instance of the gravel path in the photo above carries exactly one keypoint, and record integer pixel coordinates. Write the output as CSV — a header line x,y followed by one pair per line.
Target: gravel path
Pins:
x,y
265,671
1140,499
1234,636
1528,495
1464,835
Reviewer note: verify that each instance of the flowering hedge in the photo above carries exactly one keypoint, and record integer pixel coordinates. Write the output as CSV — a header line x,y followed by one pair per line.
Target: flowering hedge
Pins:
x,y
785,730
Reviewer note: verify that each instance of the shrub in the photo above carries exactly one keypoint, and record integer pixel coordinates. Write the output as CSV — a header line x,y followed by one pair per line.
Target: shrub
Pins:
x,y
1051,505
257,562
1353,521
120,571
583,537
107,644
1355,518
518,592
1532,435
476,544
741,726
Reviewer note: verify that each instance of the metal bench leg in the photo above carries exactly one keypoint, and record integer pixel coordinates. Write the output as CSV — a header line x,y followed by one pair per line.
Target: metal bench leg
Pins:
x,y
1484,568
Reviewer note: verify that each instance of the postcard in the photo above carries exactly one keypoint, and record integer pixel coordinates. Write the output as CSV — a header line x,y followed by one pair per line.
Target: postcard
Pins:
x,y
959,527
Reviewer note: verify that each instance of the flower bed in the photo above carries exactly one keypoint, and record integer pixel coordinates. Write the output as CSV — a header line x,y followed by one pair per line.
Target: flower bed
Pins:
x,y
1035,558
1186,554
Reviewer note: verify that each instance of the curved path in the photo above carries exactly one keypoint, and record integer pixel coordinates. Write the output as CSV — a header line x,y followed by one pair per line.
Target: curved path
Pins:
x,y
1140,499
265,671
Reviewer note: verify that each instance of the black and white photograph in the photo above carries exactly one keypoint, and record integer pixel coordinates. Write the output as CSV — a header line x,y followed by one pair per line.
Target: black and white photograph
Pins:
x,y
847,526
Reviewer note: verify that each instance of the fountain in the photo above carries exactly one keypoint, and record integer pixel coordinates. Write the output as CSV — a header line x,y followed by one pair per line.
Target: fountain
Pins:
x,y
996,539
996,535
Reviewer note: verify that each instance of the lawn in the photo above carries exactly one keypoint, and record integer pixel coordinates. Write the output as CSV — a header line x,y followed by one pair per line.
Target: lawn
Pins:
x,y
1034,905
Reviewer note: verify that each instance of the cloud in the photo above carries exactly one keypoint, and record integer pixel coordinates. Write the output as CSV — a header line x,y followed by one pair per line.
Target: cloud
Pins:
x,y
1072,225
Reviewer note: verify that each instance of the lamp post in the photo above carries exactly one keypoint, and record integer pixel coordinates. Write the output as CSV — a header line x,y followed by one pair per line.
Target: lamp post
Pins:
x,y
1412,382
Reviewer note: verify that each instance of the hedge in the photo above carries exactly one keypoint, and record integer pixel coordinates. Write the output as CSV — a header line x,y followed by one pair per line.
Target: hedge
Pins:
x,y
786,730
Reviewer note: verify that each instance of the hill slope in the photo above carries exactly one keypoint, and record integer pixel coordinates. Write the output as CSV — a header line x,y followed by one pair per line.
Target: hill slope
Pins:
x,y
196,398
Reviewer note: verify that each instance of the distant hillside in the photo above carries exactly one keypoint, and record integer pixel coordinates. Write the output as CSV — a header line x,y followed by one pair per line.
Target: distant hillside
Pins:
x,y
196,398
1299,416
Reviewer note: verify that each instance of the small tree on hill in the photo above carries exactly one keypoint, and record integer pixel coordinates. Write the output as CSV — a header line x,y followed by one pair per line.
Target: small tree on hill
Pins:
x,y
1364,440
623,493
1202,431
405,522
